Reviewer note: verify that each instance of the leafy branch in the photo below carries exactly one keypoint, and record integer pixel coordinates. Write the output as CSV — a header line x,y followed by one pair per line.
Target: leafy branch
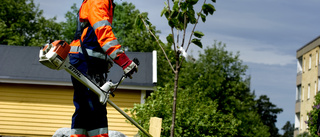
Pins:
x,y
179,16
145,23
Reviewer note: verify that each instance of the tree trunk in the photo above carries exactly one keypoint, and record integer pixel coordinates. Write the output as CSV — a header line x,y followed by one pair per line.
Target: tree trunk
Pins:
x,y
174,103
175,92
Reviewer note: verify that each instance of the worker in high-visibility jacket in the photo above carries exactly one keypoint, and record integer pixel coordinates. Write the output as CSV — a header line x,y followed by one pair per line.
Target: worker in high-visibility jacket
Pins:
x,y
91,52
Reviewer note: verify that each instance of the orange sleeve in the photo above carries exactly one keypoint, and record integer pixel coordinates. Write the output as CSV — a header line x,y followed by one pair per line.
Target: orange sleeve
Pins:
x,y
99,14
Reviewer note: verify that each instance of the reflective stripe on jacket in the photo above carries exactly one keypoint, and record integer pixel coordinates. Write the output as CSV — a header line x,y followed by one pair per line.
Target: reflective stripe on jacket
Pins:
x,y
76,49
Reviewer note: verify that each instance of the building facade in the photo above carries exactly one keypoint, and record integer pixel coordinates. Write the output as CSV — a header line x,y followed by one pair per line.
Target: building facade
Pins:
x,y
307,83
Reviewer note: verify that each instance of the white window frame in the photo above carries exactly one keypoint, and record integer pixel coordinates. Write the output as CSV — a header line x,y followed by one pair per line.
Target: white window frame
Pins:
x,y
304,64
310,60
316,58
318,84
299,65
302,90
309,91
298,93
297,121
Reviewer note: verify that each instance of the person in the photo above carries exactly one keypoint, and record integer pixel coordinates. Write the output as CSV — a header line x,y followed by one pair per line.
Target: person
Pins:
x,y
93,51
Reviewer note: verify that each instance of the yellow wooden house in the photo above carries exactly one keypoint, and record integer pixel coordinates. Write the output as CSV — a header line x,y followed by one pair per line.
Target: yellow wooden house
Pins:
x,y
37,101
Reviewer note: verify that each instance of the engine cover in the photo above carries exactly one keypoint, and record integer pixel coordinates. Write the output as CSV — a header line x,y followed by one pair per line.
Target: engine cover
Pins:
x,y
53,55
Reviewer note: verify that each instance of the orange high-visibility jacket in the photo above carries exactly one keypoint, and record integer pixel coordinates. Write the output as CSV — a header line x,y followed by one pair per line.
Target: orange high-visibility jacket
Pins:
x,y
99,13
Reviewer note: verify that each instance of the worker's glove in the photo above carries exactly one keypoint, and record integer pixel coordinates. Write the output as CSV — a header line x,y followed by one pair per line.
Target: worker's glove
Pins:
x,y
128,66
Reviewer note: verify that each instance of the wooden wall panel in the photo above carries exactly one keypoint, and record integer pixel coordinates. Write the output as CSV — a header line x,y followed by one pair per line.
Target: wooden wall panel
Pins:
x,y
37,110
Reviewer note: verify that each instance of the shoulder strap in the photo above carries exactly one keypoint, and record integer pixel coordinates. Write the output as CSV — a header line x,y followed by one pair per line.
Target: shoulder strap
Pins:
x,y
77,35
79,29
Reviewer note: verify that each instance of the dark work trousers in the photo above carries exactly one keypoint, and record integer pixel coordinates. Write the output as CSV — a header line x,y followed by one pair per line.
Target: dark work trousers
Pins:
x,y
89,112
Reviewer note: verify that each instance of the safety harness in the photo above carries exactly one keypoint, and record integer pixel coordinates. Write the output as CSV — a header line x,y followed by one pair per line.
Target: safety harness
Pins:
x,y
98,62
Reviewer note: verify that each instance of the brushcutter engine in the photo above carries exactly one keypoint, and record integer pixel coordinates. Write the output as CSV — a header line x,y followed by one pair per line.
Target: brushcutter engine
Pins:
x,y
54,54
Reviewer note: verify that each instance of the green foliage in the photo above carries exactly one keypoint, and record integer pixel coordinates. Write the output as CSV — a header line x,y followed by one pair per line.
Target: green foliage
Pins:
x,y
313,116
193,118
219,75
183,13
22,23
288,129
170,39
198,34
131,33
268,113
213,99
305,134
208,8
197,42
220,72
139,23
131,37
69,27
48,29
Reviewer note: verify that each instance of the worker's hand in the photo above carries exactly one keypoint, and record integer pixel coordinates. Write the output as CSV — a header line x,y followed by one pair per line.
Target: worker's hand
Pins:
x,y
129,70
128,66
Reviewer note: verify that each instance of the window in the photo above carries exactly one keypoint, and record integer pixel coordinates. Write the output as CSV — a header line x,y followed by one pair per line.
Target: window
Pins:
x,y
297,121
299,65
302,94
298,93
318,84
308,91
316,58
304,64
310,56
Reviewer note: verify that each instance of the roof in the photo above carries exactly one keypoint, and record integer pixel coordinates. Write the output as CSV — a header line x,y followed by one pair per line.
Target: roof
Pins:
x,y
20,64
309,46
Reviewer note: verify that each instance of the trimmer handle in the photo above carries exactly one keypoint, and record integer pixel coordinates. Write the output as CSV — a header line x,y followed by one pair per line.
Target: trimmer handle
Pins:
x,y
135,60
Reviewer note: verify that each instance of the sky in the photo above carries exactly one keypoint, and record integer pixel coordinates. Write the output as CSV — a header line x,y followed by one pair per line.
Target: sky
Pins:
x,y
267,33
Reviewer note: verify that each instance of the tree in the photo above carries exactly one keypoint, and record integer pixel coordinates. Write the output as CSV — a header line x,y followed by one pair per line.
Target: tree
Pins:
x,y
179,16
314,116
132,39
22,23
224,80
69,27
288,129
193,119
268,113
127,34
214,99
